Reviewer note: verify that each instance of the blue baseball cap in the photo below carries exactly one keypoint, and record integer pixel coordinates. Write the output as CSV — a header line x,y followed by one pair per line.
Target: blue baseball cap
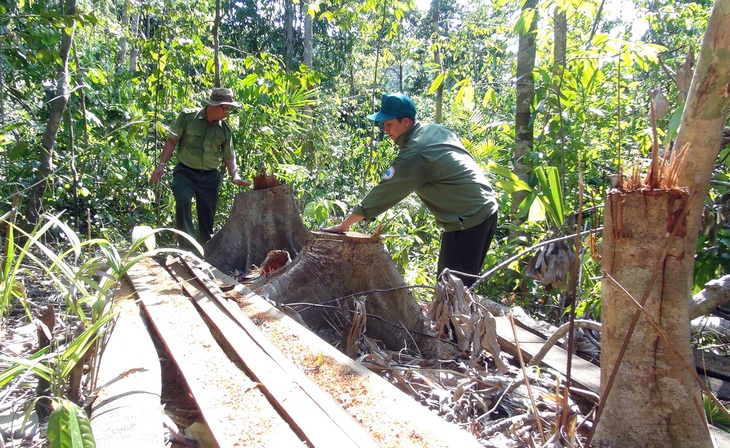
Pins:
x,y
394,105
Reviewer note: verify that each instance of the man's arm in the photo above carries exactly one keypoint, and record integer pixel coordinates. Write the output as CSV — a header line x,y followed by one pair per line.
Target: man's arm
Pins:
x,y
233,172
344,225
164,158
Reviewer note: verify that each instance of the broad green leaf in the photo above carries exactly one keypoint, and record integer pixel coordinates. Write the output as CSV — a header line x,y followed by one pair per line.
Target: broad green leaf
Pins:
x,y
490,97
524,23
145,235
537,212
19,151
465,96
69,427
437,83
518,184
674,122
552,193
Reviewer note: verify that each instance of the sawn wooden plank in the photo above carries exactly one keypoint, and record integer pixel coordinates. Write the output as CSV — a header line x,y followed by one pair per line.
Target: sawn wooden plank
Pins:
x,y
583,373
312,412
235,411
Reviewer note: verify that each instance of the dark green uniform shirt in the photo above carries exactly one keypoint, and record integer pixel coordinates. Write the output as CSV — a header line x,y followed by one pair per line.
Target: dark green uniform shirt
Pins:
x,y
433,163
201,145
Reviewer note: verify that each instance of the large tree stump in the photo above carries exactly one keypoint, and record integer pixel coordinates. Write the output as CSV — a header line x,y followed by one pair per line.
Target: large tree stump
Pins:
x,y
260,221
333,271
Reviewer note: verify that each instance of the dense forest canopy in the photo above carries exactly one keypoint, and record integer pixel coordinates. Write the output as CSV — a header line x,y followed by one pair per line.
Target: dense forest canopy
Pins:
x,y
130,66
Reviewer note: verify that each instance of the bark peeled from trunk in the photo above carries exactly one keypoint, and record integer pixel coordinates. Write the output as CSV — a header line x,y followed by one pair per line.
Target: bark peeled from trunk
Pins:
x,y
334,270
260,221
654,400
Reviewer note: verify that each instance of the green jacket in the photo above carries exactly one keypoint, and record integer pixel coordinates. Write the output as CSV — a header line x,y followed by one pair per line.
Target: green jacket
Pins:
x,y
201,145
433,163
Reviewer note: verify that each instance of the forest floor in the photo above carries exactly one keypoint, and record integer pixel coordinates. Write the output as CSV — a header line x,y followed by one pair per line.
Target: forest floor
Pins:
x,y
496,408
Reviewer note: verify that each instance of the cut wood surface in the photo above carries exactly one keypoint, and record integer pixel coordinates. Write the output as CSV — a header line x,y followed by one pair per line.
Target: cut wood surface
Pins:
x,y
332,270
260,221
583,373
392,418
236,412
314,415
127,411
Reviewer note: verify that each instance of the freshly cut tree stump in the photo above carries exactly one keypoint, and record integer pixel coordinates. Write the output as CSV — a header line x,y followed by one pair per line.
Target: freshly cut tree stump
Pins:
x,y
260,221
332,272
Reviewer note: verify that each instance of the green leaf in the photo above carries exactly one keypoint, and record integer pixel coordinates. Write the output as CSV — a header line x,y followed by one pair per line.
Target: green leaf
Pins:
x,y
516,183
524,23
437,82
552,193
19,151
674,122
20,365
715,415
490,97
465,96
143,235
69,427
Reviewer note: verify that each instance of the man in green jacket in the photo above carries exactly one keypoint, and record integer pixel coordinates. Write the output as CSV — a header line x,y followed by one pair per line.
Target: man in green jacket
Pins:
x,y
204,142
434,164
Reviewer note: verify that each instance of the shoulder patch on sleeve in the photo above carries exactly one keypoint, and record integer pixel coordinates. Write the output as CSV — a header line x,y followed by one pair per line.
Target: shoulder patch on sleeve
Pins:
x,y
388,174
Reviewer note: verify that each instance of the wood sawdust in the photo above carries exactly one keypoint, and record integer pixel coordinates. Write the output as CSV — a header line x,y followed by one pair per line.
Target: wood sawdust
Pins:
x,y
349,389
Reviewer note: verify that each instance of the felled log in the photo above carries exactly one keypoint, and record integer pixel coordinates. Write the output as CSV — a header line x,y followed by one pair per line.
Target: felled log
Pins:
x,y
260,221
332,271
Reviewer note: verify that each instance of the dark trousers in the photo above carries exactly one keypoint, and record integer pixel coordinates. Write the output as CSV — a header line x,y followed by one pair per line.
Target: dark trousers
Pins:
x,y
204,186
465,250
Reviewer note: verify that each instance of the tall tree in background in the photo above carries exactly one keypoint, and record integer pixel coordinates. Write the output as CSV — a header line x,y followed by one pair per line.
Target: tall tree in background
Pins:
x,y
525,93
59,96
436,33
124,40
289,35
560,44
649,393
216,44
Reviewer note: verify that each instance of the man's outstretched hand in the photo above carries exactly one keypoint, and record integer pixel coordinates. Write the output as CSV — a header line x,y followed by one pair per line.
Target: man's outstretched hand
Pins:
x,y
339,228
240,182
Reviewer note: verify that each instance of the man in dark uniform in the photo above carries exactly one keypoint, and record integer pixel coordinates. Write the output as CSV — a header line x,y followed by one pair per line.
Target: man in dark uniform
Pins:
x,y
204,142
434,164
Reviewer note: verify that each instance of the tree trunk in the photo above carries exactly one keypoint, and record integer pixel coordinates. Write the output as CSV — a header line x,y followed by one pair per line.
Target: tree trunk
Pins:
x,y
525,91
332,272
705,115
335,272
437,58
58,105
216,43
653,400
560,23
307,60
260,221
289,35
133,52
122,50
308,36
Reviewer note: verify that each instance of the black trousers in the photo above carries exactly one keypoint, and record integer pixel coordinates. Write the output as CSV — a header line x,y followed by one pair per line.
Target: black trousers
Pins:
x,y
465,250
204,186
